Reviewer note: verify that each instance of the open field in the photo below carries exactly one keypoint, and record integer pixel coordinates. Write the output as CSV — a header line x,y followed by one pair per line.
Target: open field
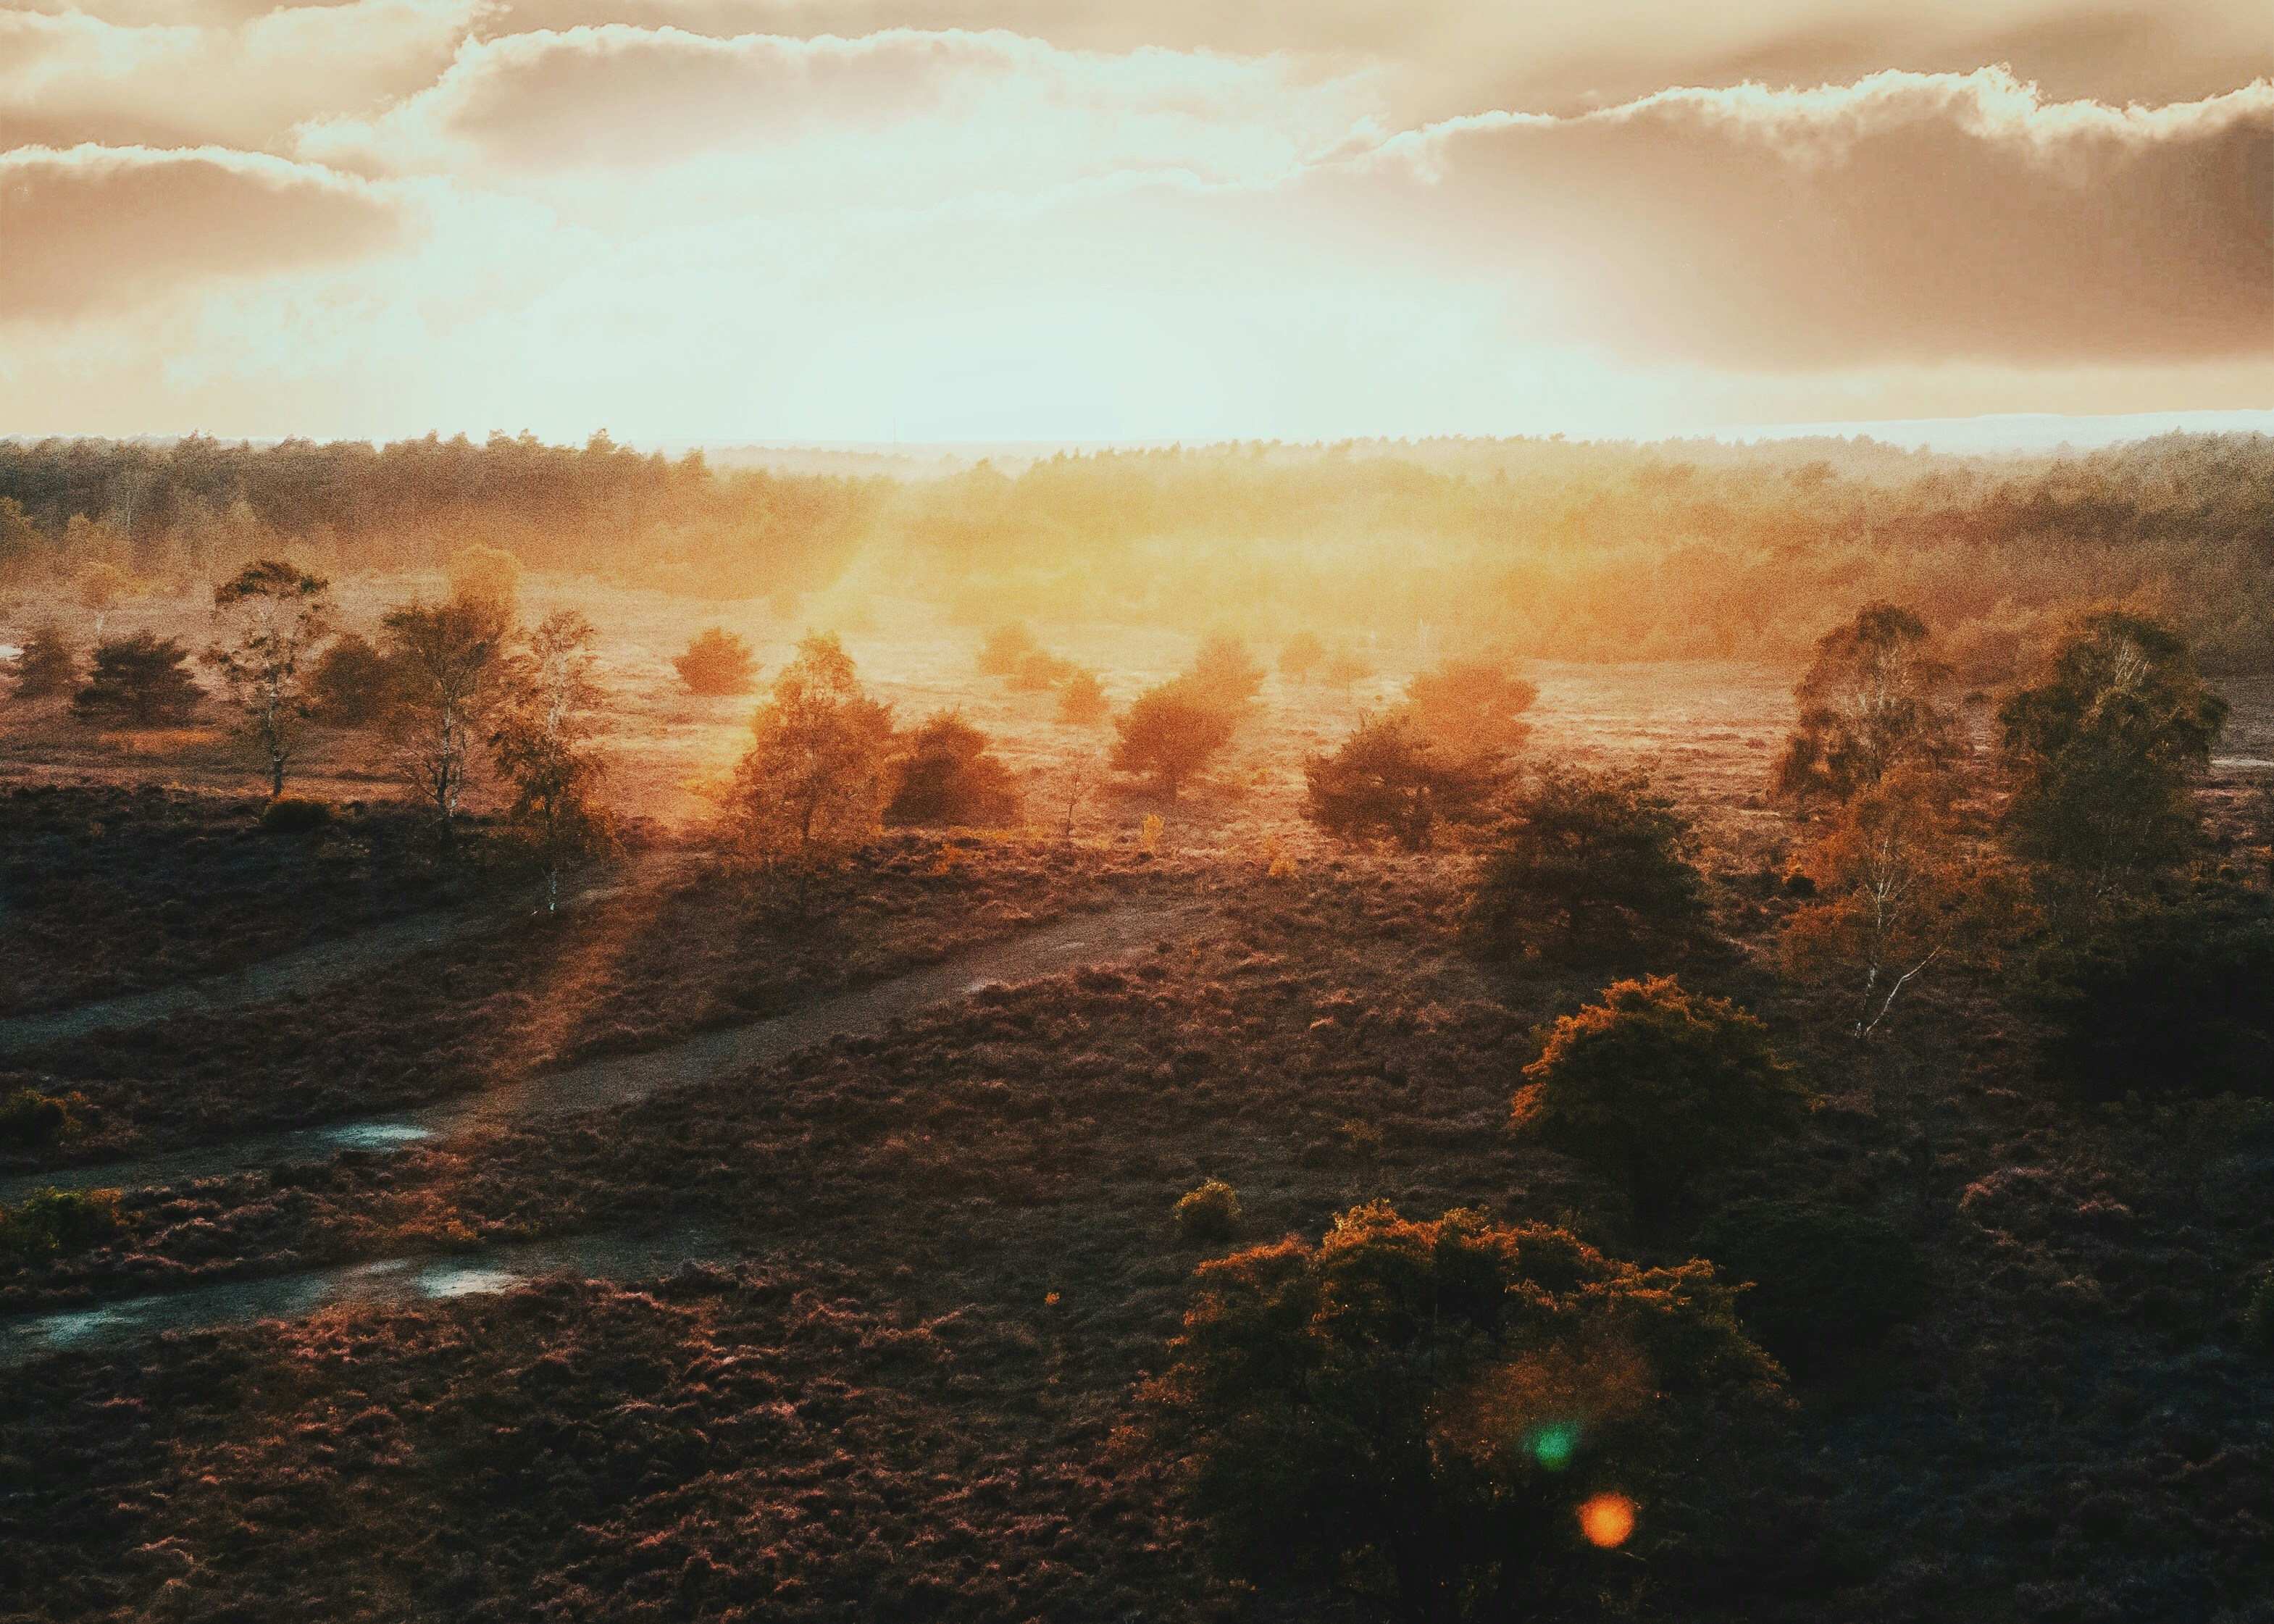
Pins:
x,y
930,1262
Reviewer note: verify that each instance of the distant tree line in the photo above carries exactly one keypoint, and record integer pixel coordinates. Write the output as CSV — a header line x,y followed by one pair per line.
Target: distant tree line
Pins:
x,y
1549,549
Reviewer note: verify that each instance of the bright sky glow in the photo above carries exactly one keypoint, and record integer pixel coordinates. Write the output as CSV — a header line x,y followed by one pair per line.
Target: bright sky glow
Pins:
x,y
853,220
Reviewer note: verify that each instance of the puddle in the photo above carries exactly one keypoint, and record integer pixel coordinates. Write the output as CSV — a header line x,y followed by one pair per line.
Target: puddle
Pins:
x,y
396,1280
617,1079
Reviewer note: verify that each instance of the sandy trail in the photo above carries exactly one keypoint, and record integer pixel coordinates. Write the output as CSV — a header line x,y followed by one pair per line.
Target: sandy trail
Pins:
x,y
305,969
1078,940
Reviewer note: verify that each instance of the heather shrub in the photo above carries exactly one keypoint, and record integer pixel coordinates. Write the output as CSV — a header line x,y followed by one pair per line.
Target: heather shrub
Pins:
x,y
32,1121
1170,732
58,1220
294,814
1826,1282
1414,1413
1209,1213
1658,1085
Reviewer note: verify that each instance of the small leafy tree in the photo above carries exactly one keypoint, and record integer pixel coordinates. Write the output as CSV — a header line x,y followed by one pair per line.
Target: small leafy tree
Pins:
x,y
48,665
446,661
276,614
1081,700
1660,1084
1416,1412
717,663
1384,783
140,680
1170,732
1004,649
352,685
1897,890
1587,863
816,775
1225,674
1301,655
2105,752
1867,704
1471,708
548,695
948,775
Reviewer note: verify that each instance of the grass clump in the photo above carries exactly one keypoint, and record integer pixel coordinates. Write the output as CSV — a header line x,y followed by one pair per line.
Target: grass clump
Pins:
x,y
1209,1213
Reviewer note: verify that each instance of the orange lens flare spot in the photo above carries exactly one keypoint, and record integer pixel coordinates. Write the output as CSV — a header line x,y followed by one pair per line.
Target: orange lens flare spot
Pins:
x,y
1607,1520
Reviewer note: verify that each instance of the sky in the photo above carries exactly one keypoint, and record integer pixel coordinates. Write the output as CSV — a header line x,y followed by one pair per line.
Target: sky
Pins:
x,y
746,221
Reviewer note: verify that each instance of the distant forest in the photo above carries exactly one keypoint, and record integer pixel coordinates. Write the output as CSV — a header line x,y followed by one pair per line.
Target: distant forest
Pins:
x,y
1542,547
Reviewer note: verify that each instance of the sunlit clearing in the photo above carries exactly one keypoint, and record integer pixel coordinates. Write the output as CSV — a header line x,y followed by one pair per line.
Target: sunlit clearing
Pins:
x,y
1607,1520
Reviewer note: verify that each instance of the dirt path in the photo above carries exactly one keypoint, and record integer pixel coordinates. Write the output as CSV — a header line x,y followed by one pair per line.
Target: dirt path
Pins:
x,y
305,969
1082,939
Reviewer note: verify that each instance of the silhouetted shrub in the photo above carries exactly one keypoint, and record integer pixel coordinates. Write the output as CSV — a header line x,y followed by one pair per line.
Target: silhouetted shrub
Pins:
x,y
138,681
1384,783
57,1221
1170,730
1469,708
352,685
1225,674
717,663
1658,1085
1588,863
1007,646
2171,999
294,815
948,776
48,664
1826,1281
31,1120
1207,1213
1416,1412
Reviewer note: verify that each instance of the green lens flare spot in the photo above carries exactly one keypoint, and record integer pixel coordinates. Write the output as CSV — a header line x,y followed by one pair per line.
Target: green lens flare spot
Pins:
x,y
1552,1446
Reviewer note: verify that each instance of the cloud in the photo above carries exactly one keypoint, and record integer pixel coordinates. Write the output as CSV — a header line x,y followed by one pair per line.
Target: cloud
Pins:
x,y
95,228
901,114
1904,217
71,76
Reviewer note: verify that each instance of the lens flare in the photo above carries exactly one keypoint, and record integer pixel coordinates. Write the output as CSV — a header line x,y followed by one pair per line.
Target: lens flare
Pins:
x,y
1552,1445
1607,1520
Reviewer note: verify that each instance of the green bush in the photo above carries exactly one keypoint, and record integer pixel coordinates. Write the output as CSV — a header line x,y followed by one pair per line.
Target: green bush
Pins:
x,y
1658,1085
1209,1213
1415,1412
30,1121
57,1221
1826,1281
294,814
